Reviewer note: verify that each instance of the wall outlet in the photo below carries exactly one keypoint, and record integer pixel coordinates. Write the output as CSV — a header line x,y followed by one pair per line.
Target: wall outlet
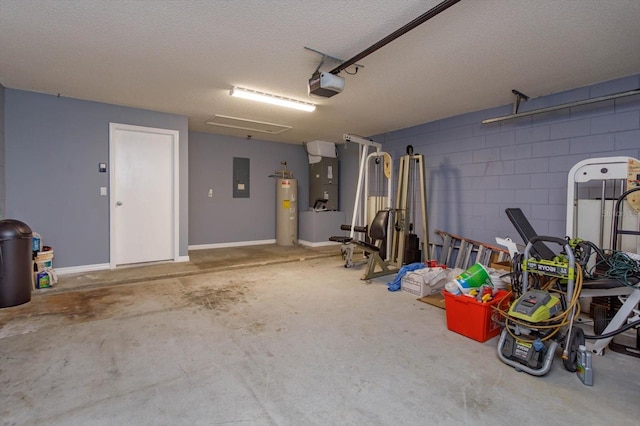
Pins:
x,y
103,190
210,194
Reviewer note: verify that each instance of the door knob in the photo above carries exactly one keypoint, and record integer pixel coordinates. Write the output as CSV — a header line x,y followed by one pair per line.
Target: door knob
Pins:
x,y
119,203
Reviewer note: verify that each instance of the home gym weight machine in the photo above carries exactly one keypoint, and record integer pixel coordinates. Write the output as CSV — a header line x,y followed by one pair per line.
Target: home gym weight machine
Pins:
x,y
392,241
411,190
398,226
367,202
593,186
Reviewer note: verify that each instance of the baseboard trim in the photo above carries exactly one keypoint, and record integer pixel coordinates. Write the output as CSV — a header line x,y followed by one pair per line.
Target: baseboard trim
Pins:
x,y
182,259
234,244
82,268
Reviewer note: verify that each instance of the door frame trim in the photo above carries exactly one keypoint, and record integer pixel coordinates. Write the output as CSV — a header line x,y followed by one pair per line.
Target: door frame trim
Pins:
x,y
113,128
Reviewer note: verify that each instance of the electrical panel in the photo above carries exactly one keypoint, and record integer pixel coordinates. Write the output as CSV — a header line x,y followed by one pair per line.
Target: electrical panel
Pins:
x,y
240,178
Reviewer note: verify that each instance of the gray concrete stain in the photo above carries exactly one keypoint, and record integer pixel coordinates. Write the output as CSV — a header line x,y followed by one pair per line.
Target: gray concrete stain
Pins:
x,y
300,343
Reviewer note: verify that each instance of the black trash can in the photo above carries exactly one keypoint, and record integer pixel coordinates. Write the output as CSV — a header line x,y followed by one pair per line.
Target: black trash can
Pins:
x,y
16,263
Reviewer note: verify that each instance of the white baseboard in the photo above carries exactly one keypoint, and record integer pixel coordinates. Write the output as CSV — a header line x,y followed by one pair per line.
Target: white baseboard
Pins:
x,y
82,268
234,244
182,259
317,244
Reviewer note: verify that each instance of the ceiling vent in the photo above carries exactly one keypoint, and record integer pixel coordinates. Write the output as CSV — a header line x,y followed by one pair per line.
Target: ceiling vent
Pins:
x,y
246,124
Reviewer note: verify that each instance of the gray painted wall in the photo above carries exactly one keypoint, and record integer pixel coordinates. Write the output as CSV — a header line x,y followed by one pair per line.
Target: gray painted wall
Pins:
x,y
3,187
53,146
349,165
52,149
222,218
475,171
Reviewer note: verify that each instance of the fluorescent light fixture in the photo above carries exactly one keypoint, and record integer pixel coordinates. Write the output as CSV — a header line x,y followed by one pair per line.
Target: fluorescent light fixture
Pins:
x,y
272,99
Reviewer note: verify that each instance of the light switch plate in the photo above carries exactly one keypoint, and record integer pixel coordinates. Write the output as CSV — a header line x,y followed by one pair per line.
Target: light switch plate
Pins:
x,y
103,190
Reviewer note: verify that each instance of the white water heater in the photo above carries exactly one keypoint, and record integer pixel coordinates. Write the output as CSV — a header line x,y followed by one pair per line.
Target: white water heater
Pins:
x,y
286,211
286,207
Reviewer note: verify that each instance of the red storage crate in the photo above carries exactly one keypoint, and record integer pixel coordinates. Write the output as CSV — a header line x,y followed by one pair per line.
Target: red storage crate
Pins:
x,y
467,316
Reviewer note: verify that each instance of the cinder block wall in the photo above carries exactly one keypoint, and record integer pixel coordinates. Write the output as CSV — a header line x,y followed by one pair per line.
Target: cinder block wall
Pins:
x,y
475,171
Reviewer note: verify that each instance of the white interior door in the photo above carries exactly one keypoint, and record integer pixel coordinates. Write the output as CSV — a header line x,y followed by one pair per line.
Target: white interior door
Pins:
x,y
143,182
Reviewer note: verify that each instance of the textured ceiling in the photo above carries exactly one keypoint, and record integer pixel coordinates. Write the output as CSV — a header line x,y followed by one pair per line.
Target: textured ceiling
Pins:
x,y
183,57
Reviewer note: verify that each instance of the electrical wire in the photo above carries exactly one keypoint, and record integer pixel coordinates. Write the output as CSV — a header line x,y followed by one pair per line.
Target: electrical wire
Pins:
x,y
614,332
617,265
555,323
516,275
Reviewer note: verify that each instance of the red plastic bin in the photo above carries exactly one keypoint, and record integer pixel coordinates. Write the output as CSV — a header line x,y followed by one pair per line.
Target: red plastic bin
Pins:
x,y
473,319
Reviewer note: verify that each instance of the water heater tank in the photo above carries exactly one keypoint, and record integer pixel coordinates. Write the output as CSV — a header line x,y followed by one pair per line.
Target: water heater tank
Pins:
x,y
286,212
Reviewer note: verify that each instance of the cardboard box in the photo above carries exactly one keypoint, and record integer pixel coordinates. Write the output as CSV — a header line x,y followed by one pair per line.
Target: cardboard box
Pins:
x,y
504,266
424,282
417,287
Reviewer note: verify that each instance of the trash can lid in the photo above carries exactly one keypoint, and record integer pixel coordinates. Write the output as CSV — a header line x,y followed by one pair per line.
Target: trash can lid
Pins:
x,y
11,229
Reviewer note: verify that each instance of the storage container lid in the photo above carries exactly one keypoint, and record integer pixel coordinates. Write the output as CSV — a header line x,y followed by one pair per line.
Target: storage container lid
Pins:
x,y
11,229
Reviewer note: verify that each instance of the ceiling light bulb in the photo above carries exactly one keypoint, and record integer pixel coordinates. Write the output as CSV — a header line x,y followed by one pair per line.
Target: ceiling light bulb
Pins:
x,y
272,99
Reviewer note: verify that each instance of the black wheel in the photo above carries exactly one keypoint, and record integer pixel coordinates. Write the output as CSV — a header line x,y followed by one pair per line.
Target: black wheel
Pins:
x,y
600,320
573,343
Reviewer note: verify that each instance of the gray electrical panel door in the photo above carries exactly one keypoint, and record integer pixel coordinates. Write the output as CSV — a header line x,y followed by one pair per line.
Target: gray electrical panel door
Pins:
x,y
240,177
323,182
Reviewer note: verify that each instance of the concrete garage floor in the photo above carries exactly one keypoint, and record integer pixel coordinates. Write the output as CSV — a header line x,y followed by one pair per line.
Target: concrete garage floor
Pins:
x,y
289,343
200,261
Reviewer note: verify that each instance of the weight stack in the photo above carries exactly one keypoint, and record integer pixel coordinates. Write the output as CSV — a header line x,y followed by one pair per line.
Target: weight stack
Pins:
x,y
412,253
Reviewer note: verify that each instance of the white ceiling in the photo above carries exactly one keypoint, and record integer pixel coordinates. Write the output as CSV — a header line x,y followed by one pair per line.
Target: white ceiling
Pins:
x,y
183,57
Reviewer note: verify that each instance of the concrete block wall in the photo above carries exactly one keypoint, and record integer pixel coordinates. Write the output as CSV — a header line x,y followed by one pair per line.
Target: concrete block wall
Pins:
x,y
475,171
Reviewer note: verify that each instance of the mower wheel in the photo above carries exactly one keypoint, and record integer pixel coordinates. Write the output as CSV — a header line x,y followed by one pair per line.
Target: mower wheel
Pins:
x,y
573,343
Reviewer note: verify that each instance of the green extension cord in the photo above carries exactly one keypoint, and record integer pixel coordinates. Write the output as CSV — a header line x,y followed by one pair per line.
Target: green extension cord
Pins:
x,y
619,266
